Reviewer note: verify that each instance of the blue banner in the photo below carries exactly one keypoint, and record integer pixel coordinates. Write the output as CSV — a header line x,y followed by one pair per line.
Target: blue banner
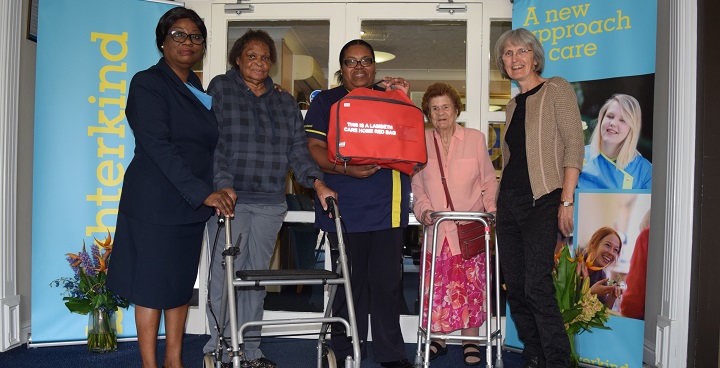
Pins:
x,y
606,49
589,40
87,53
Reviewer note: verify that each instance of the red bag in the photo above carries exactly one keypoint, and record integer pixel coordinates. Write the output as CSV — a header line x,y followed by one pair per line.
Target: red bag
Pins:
x,y
377,127
472,239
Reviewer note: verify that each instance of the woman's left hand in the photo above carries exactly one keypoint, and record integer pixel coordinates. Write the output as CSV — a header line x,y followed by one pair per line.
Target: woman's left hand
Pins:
x,y
565,220
323,192
396,83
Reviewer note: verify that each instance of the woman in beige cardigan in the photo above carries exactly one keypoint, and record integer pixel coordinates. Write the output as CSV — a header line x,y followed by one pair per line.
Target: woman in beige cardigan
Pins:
x,y
542,150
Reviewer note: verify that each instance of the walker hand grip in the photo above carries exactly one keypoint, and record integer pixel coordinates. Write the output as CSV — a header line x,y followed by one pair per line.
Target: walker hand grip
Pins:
x,y
331,207
330,204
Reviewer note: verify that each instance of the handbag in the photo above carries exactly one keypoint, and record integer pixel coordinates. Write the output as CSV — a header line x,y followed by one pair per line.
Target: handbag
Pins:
x,y
470,235
377,127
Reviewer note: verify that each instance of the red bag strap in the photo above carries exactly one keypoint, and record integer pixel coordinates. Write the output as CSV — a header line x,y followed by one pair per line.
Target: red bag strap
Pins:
x,y
442,175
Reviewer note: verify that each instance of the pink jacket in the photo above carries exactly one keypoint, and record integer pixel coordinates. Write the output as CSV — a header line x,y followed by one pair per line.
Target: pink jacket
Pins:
x,y
470,177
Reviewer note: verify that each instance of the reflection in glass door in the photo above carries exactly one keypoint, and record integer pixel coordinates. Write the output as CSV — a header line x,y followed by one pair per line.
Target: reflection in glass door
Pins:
x,y
422,51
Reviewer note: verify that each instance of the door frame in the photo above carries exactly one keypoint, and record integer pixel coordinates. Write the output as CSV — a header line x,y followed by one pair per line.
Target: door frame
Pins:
x,y
345,22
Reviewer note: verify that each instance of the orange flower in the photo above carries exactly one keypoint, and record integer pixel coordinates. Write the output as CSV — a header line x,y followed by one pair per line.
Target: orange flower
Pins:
x,y
75,258
107,248
102,261
590,262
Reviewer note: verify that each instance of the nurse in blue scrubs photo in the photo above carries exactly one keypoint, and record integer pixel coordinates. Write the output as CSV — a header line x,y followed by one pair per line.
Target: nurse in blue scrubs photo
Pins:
x,y
612,160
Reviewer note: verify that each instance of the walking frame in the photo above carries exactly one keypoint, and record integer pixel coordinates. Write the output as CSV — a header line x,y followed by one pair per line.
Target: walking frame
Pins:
x,y
257,278
425,334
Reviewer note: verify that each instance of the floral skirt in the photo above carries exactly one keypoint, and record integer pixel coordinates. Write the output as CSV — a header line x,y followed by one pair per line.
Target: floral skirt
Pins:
x,y
459,295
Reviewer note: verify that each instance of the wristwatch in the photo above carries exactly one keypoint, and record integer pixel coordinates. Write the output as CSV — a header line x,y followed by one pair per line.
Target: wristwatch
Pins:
x,y
566,203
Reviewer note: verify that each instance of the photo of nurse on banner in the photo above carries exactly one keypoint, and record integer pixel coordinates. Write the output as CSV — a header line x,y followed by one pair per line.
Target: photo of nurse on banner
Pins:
x,y
613,232
618,131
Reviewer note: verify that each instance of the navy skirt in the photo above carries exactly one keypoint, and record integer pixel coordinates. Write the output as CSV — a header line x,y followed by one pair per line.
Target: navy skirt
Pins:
x,y
155,266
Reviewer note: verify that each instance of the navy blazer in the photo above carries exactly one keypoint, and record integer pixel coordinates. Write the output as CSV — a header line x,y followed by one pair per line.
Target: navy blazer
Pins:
x,y
175,136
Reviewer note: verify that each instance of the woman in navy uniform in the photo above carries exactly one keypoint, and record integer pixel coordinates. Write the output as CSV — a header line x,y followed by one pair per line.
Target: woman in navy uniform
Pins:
x,y
375,207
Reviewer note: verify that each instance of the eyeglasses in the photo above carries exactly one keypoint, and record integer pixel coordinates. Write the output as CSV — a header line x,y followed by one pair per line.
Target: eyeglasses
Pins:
x,y
180,37
521,52
366,62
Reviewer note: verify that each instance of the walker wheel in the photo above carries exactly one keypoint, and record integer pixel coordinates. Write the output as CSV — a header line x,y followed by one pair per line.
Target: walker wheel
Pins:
x,y
208,361
329,358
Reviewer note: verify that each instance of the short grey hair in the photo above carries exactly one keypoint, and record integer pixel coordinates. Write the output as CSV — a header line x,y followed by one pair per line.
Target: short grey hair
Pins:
x,y
519,37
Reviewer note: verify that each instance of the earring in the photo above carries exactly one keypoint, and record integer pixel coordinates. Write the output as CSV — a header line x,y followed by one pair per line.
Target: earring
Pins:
x,y
162,46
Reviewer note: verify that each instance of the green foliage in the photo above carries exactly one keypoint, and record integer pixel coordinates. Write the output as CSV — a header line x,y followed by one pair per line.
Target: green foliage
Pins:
x,y
581,310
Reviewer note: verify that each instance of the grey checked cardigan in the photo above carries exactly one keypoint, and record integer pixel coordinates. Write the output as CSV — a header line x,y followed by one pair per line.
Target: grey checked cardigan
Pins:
x,y
261,138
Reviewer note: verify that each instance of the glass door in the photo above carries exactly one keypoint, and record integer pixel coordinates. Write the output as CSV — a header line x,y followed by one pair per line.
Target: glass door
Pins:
x,y
431,42
426,42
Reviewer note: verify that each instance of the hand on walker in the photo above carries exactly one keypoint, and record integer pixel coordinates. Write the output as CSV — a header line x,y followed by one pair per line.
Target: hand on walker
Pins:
x,y
323,192
426,219
223,201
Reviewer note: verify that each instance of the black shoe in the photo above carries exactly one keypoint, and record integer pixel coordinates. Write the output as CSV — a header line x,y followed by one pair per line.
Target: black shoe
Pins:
x,y
439,350
397,364
470,353
534,362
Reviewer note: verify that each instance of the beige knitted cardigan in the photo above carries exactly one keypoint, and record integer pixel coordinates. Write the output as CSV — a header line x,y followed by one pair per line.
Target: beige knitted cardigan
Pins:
x,y
553,133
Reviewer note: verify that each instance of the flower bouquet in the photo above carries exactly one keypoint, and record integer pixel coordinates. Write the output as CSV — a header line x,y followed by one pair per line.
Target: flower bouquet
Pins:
x,y
86,293
581,310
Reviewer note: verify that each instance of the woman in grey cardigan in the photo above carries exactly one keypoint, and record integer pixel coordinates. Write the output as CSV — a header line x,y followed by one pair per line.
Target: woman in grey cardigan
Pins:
x,y
542,151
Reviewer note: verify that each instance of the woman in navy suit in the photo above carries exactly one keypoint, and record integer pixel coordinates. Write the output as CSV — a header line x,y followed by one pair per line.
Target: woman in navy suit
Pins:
x,y
167,193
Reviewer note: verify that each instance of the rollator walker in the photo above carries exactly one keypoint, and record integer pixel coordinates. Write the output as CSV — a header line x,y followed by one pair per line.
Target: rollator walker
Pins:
x,y
256,278
492,336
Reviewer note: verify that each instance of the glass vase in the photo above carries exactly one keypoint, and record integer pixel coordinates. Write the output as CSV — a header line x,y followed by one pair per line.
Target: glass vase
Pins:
x,y
574,358
102,337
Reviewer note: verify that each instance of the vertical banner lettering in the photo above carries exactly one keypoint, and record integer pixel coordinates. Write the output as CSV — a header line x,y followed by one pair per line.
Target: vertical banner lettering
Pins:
x,y
88,51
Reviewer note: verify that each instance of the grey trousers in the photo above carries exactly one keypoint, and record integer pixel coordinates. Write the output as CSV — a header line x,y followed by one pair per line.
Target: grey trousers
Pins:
x,y
259,225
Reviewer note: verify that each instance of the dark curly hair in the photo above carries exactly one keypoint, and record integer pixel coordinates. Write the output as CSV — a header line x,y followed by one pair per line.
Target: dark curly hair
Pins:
x,y
251,36
172,16
441,89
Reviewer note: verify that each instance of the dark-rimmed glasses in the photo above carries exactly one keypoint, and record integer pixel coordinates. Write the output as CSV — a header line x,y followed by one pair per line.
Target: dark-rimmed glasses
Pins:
x,y
180,37
366,62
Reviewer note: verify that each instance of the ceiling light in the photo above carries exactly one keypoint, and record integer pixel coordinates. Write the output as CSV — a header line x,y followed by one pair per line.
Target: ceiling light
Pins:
x,y
381,56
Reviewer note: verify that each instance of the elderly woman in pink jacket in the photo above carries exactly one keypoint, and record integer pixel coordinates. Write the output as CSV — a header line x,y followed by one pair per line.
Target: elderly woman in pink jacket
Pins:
x,y
459,289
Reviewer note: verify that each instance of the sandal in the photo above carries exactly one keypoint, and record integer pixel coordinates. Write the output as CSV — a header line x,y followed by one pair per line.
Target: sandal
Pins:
x,y
439,350
470,353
